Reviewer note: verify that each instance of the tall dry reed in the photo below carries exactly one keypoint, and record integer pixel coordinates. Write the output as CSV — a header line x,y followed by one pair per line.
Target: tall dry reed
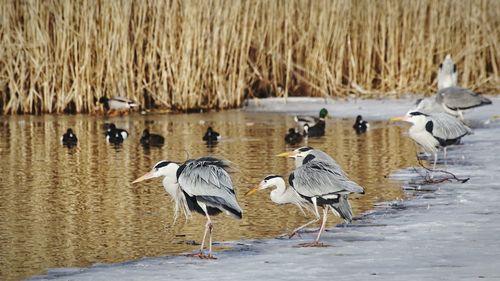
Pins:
x,y
58,56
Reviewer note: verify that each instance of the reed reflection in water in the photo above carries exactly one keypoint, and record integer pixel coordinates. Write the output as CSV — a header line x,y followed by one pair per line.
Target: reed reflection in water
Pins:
x,y
73,207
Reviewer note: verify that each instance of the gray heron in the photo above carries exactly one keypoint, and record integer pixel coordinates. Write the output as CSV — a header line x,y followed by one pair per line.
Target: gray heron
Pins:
x,y
455,99
432,131
360,126
318,179
69,138
447,73
148,139
202,185
117,104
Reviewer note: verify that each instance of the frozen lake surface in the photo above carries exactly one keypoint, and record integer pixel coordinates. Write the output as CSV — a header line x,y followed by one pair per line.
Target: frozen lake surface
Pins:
x,y
448,233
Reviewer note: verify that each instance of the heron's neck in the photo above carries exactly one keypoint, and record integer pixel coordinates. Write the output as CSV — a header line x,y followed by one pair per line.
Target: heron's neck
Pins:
x,y
172,187
278,195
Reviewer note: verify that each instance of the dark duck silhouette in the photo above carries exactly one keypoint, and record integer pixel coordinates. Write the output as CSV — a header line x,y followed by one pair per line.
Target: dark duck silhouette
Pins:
x,y
318,130
69,138
211,136
360,126
115,135
293,137
149,139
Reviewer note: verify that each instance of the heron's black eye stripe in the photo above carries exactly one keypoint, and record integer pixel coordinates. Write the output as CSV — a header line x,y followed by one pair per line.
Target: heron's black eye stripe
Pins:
x,y
304,149
161,164
416,113
270,177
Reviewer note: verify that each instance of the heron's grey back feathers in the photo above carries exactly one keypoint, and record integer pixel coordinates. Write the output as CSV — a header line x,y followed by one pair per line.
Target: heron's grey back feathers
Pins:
x,y
207,179
320,178
447,127
456,98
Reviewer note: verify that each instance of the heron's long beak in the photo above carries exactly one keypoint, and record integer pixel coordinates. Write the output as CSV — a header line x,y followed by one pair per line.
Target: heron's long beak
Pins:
x,y
287,154
253,190
399,118
148,175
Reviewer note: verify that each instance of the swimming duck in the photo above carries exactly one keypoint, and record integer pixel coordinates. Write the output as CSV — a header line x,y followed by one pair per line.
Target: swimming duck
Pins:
x,y
211,136
117,104
149,139
115,135
69,138
301,120
318,130
293,137
361,125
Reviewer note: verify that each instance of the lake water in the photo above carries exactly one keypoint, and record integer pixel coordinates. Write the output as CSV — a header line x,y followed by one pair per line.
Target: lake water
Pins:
x,y
64,207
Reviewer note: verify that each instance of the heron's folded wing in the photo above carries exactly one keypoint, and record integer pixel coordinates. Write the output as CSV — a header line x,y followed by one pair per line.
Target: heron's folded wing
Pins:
x,y
319,178
447,127
461,98
206,177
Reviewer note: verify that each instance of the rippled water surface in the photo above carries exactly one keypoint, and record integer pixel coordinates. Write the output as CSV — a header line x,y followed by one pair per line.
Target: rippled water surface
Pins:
x,y
64,207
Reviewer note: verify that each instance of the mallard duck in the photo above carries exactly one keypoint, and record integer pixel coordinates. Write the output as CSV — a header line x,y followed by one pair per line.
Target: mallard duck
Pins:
x,y
301,120
117,104
360,126
69,138
149,139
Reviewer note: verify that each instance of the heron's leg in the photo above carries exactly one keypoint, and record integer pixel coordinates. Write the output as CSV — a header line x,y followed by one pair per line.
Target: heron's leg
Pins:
x,y
322,228
444,150
325,211
210,228
317,217
434,165
295,231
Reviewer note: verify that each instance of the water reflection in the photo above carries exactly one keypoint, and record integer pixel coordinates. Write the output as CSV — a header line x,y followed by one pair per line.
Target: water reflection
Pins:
x,y
64,207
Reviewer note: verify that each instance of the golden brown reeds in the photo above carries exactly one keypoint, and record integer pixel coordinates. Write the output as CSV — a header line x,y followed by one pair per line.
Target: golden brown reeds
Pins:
x,y
61,55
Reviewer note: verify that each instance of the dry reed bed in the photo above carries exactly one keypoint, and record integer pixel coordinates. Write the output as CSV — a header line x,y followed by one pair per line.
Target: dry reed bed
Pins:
x,y
61,56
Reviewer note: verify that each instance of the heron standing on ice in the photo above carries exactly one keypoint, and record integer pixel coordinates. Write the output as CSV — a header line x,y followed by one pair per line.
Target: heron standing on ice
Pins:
x,y
202,185
432,131
319,182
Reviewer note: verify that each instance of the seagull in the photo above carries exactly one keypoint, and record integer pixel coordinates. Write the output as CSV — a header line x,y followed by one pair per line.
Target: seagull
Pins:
x,y
69,138
447,73
319,179
293,137
432,131
149,139
360,126
202,185
211,136
117,104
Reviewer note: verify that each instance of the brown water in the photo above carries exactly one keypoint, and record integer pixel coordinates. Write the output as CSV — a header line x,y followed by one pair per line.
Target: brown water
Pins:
x,y
64,207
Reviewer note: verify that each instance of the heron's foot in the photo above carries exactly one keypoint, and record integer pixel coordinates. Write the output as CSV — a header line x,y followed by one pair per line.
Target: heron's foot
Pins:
x,y
313,244
210,257
199,255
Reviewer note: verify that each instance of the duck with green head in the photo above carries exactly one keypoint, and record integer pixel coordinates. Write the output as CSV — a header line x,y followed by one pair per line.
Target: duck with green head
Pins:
x,y
312,122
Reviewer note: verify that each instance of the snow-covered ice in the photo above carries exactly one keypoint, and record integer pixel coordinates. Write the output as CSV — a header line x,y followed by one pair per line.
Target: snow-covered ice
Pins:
x,y
451,232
